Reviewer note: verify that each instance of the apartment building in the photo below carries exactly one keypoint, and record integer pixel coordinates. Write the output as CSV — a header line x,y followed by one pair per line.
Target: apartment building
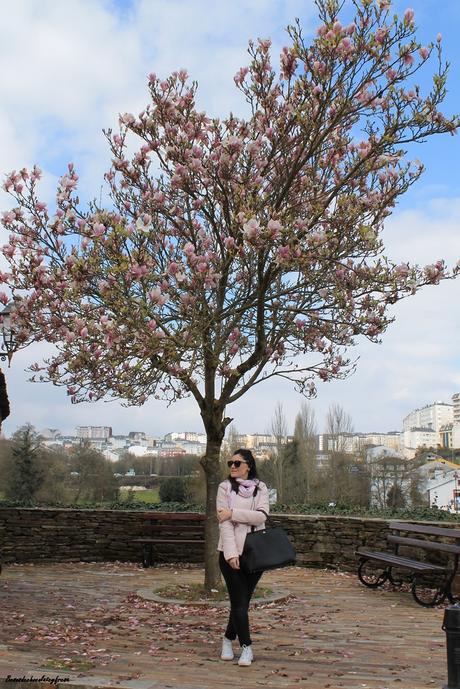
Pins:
x,y
353,443
431,416
456,406
94,432
191,436
419,437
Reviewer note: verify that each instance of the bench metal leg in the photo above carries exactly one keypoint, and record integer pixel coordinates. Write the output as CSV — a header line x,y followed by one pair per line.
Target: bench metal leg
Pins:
x,y
436,598
147,555
392,580
372,578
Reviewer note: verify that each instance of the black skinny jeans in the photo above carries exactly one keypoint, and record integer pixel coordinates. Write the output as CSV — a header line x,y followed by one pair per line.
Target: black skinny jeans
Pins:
x,y
240,589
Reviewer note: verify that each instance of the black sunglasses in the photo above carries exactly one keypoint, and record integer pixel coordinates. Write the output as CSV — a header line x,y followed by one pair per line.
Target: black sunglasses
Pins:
x,y
237,463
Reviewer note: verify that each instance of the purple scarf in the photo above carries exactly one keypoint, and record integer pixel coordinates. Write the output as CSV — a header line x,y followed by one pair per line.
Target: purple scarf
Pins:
x,y
246,489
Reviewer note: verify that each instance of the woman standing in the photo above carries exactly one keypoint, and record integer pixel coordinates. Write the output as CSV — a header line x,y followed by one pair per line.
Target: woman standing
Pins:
x,y
242,502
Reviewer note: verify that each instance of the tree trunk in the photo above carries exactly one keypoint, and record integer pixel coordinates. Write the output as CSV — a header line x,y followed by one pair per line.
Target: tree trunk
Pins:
x,y
211,466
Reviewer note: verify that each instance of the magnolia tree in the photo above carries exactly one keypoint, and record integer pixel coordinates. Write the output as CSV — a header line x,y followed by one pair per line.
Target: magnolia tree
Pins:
x,y
234,250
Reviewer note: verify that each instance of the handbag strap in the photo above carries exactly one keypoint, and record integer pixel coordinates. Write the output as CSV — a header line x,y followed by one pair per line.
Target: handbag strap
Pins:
x,y
253,528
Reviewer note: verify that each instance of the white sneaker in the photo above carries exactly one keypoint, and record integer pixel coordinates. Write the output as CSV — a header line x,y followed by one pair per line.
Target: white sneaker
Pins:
x,y
227,649
246,656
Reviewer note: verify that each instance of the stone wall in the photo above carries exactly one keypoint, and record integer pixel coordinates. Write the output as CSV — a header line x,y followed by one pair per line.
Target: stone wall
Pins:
x,y
31,535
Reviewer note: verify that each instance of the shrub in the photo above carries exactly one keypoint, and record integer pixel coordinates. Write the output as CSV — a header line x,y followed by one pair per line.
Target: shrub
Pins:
x,y
172,489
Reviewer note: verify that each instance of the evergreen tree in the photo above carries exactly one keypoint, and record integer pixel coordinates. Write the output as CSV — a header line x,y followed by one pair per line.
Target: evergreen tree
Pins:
x,y
24,473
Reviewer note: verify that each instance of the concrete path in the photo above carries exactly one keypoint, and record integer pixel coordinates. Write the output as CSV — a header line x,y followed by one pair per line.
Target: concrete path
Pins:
x,y
82,625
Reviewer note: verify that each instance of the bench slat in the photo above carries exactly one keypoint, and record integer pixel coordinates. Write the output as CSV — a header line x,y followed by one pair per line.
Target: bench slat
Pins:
x,y
174,516
426,545
397,560
428,530
167,540
174,528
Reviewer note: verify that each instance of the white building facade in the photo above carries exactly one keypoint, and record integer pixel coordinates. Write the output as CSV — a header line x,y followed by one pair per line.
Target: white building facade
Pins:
x,y
432,417
94,432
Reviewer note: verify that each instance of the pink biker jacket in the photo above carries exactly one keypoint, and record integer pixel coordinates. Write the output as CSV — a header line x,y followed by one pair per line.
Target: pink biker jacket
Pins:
x,y
232,533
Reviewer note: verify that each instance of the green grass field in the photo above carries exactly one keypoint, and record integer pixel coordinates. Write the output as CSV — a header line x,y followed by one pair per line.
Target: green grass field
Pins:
x,y
149,495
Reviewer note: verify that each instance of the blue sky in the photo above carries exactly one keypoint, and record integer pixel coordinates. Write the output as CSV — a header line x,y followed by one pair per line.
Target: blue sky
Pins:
x,y
69,68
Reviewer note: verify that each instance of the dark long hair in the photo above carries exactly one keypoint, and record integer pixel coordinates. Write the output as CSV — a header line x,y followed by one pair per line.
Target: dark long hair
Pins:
x,y
249,459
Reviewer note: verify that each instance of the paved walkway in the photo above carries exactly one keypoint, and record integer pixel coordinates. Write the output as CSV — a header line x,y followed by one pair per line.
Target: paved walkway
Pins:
x,y
84,623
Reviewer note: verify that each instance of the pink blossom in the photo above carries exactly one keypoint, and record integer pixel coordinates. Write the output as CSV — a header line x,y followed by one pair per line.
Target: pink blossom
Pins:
x,y
233,143
439,38
127,118
274,227
67,182
283,253
380,34
288,63
143,222
84,332
8,250
229,243
98,229
251,229
234,335
139,270
424,52
8,217
155,294
240,75
409,16
337,27
189,249
408,59
173,268
402,271
264,43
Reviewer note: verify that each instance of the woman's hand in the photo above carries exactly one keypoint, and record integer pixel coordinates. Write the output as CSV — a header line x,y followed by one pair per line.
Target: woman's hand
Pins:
x,y
234,562
223,514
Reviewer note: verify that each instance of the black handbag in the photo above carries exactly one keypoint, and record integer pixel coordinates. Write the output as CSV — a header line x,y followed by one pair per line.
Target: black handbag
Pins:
x,y
269,548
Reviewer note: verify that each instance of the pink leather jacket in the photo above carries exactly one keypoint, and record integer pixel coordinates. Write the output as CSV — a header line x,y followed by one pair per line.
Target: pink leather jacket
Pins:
x,y
246,513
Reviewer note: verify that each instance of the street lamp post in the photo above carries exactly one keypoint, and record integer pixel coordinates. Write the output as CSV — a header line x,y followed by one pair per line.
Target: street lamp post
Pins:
x,y
9,343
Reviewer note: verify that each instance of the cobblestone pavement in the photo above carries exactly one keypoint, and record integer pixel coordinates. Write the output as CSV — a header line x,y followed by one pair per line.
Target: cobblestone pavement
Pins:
x,y
83,625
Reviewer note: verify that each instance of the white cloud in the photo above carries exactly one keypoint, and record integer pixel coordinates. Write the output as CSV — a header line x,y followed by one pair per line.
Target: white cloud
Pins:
x,y
68,69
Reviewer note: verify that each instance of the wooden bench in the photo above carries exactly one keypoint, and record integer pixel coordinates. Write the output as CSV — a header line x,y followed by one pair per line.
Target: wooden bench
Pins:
x,y
376,567
167,528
